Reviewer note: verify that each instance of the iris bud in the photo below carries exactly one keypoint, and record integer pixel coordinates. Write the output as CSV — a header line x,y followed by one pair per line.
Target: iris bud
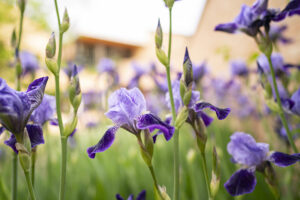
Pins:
x,y
51,46
182,89
169,3
187,69
162,57
187,97
215,177
70,126
51,65
75,90
21,5
158,36
65,23
182,116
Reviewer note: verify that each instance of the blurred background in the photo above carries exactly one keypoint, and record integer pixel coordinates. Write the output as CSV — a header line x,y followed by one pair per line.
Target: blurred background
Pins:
x,y
112,42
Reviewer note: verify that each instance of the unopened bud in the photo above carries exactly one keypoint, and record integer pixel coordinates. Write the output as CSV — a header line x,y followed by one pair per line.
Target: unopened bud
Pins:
x,y
66,22
169,3
162,57
182,116
164,194
52,65
21,5
70,126
74,89
182,89
13,40
51,46
187,69
187,97
158,36
215,177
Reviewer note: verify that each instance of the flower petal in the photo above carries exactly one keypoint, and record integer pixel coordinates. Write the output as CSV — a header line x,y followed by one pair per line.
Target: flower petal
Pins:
x,y
153,122
221,113
11,142
118,197
283,160
227,27
35,133
142,195
105,142
241,182
35,92
206,119
1,130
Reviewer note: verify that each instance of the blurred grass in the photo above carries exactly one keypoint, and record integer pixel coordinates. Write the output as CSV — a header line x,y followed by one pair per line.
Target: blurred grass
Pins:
x,y
121,169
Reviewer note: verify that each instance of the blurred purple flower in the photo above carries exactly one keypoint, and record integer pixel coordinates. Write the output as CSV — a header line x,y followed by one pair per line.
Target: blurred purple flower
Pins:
x,y
276,34
199,71
239,68
69,69
141,196
29,63
108,66
91,99
251,155
277,62
139,72
45,111
126,108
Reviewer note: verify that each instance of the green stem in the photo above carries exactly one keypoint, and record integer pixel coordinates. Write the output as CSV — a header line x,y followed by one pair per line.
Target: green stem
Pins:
x,y
155,181
281,112
176,134
29,184
33,159
15,176
205,173
63,167
20,31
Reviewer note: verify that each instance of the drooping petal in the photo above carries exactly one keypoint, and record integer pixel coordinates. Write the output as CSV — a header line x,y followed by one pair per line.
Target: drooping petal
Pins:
x,y
241,182
151,121
105,142
11,142
227,27
244,149
283,160
206,119
221,113
142,195
118,197
1,130
35,133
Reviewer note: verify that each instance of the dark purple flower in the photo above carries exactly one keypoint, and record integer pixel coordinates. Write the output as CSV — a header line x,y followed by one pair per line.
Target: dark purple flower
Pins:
x,y
276,34
293,8
251,155
16,107
239,68
45,111
221,113
141,196
35,133
29,63
126,110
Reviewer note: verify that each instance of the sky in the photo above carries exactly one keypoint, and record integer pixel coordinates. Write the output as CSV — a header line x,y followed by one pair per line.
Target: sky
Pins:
x,y
128,21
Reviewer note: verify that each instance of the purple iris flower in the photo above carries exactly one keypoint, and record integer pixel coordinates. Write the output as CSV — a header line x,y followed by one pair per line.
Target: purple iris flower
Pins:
x,y
277,62
296,101
29,63
141,196
45,111
126,110
69,69
251,155
160,79
139,72
199,71
276,34
16,108
252,18
108,66
239,68
91,99
195,105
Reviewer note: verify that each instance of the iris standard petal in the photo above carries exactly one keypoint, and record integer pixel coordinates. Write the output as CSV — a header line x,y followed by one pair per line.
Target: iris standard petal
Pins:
x,y
241,182
150,121
105,142
35,133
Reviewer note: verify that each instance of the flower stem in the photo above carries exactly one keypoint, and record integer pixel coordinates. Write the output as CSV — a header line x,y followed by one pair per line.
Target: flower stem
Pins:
x,y
155,181
58,111
14,176
29,184
33,159
63,167
281,112
176,133
205,173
